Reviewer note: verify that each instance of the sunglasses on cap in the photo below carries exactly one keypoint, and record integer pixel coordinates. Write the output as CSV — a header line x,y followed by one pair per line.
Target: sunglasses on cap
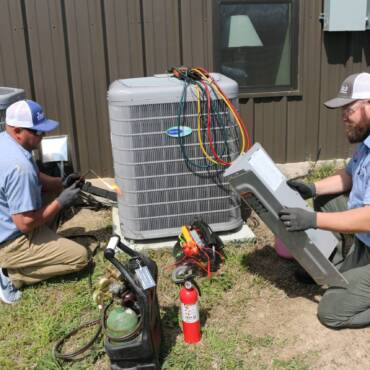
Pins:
x,y
35,132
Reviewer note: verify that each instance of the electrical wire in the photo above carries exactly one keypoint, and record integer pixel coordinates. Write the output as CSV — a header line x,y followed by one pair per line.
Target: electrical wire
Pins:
x,y
243,131
205,86
180,118
216,113
199,126
218,159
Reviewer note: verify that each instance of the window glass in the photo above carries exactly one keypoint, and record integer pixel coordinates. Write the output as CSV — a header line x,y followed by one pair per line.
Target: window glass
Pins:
x,y
255,45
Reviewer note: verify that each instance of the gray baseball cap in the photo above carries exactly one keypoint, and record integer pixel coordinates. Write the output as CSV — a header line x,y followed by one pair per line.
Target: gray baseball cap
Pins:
x,y
354,87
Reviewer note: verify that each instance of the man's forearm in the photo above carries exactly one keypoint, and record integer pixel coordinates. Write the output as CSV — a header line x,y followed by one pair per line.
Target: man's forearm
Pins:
x,y
28,221
340,182
352,221
50,184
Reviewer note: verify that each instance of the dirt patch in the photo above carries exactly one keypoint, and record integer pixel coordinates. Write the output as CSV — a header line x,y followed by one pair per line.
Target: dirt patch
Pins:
x,y
86,221
285,310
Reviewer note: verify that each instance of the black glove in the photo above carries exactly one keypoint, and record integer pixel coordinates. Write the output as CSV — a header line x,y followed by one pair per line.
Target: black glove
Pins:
x,y
298,219
68,196
306,190
71,179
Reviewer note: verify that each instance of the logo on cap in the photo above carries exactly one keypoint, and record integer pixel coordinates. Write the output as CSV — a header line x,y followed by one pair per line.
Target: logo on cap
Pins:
x,y
40,116
344,89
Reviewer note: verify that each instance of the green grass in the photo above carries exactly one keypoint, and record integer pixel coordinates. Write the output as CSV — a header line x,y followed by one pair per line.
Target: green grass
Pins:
x,y
50,310
47,311
295,363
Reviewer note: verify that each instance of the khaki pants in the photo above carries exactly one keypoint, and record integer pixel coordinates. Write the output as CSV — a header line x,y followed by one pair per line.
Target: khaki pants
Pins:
x,y
41,255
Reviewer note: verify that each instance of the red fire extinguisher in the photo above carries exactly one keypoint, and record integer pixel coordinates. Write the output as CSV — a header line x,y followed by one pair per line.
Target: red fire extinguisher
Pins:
x,y
190,313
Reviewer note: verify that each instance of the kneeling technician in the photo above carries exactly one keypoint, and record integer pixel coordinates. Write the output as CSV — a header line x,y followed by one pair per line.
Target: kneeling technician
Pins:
x,y
342,204
30,249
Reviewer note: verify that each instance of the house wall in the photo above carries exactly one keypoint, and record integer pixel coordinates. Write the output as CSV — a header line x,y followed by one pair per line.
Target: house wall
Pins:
x,y
65,53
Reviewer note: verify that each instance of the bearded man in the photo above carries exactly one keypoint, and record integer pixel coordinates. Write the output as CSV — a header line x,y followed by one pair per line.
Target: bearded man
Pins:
x,y
342,205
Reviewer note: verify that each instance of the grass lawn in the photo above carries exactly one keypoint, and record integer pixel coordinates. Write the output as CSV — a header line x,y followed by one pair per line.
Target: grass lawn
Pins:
x,y
49,310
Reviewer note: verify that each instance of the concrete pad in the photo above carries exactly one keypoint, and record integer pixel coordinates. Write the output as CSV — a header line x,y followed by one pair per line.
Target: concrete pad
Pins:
x,y
243,235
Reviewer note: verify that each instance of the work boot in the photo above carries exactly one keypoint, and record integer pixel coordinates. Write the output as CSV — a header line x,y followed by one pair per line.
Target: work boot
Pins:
x,y
8,292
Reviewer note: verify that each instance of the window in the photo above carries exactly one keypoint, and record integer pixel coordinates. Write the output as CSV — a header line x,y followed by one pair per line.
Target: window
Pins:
x,y
256,44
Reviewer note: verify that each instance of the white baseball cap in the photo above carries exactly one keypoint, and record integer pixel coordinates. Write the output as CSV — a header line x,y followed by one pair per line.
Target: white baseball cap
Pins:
x,y
354,87
29,114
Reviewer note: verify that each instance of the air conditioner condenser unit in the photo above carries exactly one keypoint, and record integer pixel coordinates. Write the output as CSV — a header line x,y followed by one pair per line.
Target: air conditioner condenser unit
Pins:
x,y
160,191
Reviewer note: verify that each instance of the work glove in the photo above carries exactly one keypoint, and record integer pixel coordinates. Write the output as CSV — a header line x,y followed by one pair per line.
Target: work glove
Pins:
x,y
306,190
68,196
298,219
71,179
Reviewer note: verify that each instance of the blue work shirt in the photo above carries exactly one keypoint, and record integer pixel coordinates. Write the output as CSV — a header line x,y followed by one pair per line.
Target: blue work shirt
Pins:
x,y
359,168
20,189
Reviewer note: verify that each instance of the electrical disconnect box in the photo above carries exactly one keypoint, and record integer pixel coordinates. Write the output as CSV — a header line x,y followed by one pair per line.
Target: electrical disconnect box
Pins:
x,y
259,182
345,15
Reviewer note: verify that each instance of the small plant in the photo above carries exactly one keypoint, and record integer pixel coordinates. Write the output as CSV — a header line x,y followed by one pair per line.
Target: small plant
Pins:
x,y
320,172
296,363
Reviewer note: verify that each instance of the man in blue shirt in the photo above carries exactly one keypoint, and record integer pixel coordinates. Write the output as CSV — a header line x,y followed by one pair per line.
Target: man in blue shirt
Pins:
x,y
30,251
339,307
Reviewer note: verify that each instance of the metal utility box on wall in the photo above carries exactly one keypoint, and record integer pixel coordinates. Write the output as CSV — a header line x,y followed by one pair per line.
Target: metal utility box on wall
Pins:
x,y
159,191
345,15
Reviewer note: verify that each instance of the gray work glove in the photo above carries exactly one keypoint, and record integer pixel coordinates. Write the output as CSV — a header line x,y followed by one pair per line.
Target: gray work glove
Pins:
x,y
71,179
298,219
68,196
306,190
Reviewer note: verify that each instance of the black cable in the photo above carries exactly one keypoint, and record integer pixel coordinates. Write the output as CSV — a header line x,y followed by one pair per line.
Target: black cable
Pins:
x,y
180,121
76,355
57,350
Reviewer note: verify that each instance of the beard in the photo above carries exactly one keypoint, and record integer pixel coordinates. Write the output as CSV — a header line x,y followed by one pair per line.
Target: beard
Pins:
x,y
356,134
358,131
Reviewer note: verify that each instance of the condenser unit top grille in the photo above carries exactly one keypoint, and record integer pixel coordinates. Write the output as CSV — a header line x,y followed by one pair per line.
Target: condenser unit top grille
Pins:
x,y
142,91
9,95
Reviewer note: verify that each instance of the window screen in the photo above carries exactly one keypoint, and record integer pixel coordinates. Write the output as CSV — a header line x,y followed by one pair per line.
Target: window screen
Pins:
x,y
256,43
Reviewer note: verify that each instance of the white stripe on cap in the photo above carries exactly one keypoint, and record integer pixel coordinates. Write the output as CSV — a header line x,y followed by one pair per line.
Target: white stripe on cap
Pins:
x,y
361,86
19,115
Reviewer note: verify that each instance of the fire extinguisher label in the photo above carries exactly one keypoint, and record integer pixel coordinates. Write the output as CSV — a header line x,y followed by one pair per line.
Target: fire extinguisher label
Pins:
x,y
190,313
